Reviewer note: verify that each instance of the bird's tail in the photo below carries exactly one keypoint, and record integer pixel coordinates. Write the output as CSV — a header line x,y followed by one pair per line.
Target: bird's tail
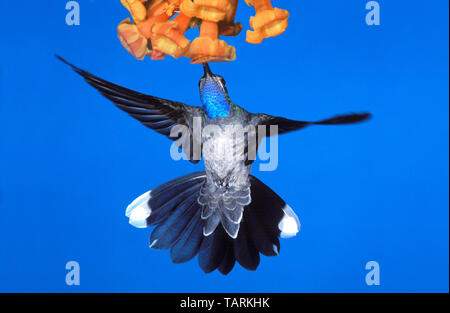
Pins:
x,y
176,212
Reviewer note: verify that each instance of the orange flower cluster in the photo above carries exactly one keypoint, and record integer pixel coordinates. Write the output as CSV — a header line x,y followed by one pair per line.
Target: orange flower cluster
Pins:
x,y
159,26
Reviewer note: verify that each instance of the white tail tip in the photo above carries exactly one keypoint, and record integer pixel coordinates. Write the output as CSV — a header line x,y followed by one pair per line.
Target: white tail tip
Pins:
x,y
139,210
289,224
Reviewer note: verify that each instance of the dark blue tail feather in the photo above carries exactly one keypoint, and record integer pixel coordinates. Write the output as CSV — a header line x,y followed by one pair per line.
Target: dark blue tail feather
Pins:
x,y
176,211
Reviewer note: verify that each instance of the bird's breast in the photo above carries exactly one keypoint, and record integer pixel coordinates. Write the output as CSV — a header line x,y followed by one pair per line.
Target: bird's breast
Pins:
x,y
224,152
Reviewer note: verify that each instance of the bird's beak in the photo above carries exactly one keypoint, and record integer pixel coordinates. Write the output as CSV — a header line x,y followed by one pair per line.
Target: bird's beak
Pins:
x,y
207,70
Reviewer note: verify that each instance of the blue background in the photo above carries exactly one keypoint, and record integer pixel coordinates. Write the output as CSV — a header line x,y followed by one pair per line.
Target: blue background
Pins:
x,y
71,162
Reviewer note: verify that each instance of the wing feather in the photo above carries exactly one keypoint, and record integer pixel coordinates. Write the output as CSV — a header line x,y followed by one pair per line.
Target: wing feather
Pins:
x,y
155,113
286,125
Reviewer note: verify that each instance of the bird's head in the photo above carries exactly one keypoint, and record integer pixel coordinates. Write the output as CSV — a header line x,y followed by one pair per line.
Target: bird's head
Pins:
x,y
213,94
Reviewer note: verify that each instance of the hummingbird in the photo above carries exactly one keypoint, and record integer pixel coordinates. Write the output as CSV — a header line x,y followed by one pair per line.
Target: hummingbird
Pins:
x,y
222,214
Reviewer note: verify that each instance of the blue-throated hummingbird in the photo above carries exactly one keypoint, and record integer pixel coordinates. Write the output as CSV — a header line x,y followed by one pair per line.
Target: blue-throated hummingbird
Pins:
x,y
223,214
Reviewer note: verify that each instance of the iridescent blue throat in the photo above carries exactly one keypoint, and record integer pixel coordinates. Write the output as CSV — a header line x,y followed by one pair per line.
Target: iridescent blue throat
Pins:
x,y
215,101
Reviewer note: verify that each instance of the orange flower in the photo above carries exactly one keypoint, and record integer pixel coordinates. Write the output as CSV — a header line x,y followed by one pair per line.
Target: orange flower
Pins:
x,y
137,9
154,34
157,55
207,10
267,22
158,15
168,37
134,36
227,27
152,6
132,39
208,48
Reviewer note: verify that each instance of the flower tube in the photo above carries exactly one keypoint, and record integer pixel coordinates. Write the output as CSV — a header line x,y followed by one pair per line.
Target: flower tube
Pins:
x,y
267,22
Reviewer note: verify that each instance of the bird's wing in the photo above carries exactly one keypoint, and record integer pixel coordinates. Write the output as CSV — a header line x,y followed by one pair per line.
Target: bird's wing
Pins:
x,y
286,125
161,115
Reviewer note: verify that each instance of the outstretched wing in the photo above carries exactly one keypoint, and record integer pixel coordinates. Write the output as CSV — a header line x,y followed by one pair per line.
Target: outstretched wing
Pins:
x,y
286,125
163,116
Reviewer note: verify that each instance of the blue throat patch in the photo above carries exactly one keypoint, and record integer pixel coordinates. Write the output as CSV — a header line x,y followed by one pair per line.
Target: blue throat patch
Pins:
x,y
215,101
